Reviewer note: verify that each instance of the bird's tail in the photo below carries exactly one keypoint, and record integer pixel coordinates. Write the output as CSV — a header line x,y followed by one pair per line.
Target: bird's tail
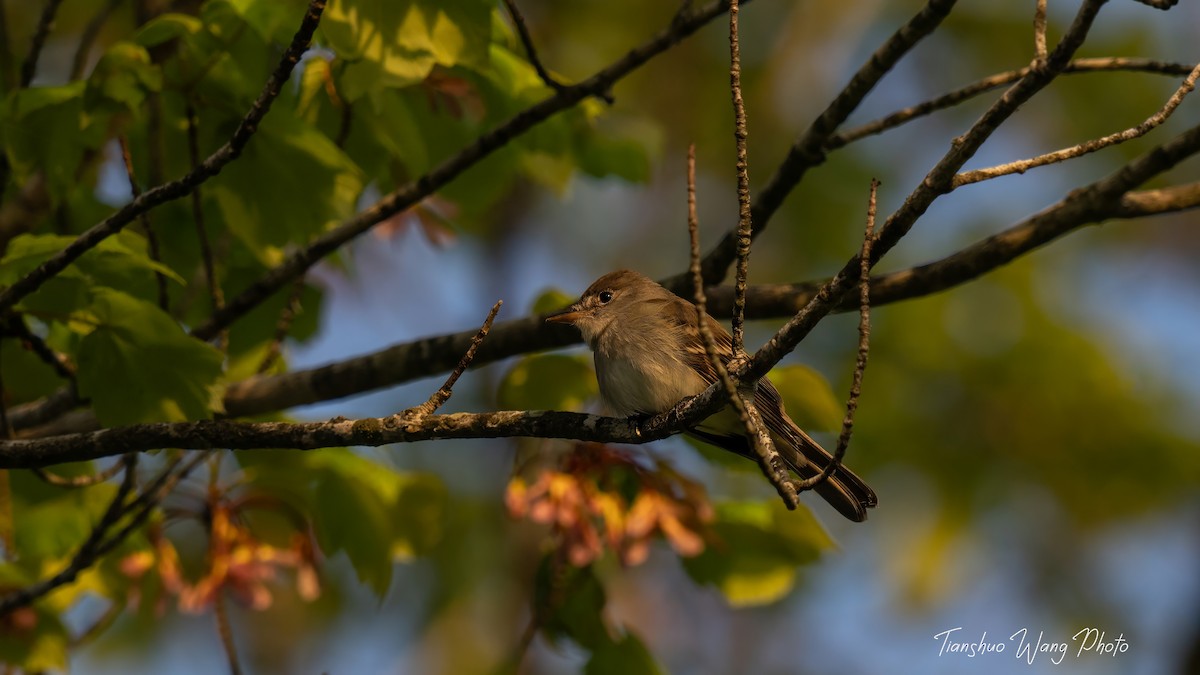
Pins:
x,y
844,490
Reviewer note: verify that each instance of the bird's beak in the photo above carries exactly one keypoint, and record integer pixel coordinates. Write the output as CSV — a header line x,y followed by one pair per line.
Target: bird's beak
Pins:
x,y
569,315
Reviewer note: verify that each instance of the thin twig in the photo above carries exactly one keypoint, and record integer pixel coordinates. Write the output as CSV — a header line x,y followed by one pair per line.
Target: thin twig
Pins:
x,y
864,339
532,54
44,26
7,75
957,96
88,37
183,186
764,449
745,226
77,481
225,632
215,296
160,279
1021,166
1039,31
151,496
58,362
443,394
286,316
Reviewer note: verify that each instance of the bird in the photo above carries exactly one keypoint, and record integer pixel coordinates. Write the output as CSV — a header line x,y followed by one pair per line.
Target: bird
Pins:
x,y
649,355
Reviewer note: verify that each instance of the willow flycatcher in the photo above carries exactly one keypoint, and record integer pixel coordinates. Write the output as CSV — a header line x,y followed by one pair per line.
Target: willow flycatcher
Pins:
x,y
650,355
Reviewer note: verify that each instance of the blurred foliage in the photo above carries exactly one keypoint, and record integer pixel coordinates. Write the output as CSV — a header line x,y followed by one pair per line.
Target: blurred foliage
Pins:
x,y
975,399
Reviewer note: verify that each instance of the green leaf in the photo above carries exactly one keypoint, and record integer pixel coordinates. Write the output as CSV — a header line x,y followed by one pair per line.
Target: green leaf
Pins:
x,y
377,515
574,600
53,529
167,27
808,398
122,78
551,300
761,546
627,656
44,131
139,366
395,44
354,520
548,382
269,205
110,260
274,21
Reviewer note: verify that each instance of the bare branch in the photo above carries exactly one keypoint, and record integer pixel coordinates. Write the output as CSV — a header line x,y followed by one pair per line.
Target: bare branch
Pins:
x,y
215,296
183,186
225,632
443,394
1039,31
764,449
164,302
531,52
1154,202
282,326
7,76
211,434
88,37
78,481
864,339
16,327
1021,166
953,98
44,26
745,225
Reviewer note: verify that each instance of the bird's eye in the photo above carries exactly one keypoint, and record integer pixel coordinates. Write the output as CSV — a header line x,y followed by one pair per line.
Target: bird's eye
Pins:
x,y
605,297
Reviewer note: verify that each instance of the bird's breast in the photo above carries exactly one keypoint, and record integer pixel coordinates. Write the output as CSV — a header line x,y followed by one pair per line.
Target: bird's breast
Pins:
x,y
646,386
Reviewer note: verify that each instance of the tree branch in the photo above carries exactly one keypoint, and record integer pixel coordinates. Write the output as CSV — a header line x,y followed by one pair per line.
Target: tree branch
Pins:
x,y
1021,166
1089,204
44,26
953,98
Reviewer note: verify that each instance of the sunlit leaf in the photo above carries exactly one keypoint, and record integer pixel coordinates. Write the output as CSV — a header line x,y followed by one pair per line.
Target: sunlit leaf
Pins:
x,y
761,546
808,398
122,78
548,382
551,300
395,44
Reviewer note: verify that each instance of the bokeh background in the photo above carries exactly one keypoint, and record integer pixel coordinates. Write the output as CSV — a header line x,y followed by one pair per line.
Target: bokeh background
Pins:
x,y
1032,435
